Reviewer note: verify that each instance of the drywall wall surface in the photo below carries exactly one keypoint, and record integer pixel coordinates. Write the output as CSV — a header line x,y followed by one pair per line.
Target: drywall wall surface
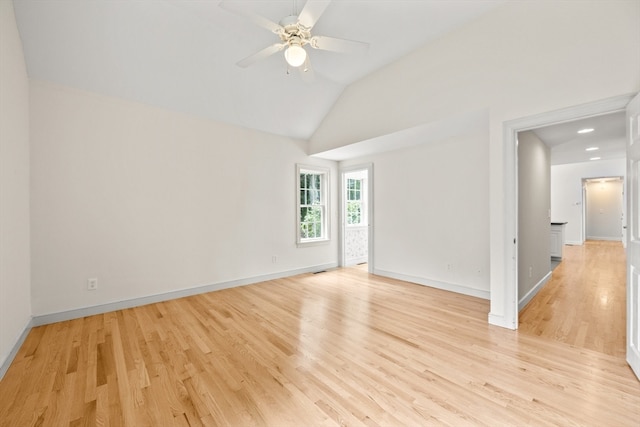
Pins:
x,y
15,286
518,60
604,207
431,211
534,204
150,201
505,61
566,192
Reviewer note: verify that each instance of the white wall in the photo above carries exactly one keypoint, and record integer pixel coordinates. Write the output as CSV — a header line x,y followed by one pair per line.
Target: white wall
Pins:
x,y
430,218
521,59
150,201
566,192
604,210
534,224
15,291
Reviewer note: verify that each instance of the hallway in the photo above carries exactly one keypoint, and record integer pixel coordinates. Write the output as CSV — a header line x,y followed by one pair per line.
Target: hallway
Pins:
x,y
584,303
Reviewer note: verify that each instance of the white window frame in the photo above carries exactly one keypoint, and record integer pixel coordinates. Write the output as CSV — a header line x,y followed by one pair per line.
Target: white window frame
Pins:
x,y
324,204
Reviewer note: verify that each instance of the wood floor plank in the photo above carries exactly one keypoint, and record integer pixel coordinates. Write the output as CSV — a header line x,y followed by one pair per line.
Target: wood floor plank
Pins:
x,y
337,348
584,303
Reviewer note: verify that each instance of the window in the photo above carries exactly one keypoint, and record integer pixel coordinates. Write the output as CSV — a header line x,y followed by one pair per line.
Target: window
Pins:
x,y
354,202
313,225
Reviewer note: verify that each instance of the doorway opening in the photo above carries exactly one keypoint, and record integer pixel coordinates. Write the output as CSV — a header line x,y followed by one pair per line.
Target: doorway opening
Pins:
x,y
507,301
589,194
603,208
356,216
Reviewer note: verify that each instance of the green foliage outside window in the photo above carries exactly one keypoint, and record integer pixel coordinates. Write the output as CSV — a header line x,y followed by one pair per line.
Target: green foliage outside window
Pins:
x,y
354,213
354,201
311,208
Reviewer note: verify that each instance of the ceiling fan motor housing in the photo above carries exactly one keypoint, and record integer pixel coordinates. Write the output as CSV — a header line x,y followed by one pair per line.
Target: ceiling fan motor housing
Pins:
x,y
294,33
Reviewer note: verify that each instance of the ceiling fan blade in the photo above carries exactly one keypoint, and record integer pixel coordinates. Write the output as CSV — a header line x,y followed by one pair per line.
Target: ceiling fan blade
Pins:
x,y
312,11
338,45
306,72
264,53
255,18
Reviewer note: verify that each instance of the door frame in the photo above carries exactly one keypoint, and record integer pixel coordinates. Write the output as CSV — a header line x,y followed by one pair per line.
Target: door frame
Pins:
x,y
510,152
633,236
370,214
583,229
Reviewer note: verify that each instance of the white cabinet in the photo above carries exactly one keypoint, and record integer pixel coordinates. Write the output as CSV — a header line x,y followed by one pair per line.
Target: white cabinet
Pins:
x,y
557,239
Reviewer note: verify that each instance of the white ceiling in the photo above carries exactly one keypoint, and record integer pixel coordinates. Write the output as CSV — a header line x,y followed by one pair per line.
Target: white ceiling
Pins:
x,y
568,146
181,54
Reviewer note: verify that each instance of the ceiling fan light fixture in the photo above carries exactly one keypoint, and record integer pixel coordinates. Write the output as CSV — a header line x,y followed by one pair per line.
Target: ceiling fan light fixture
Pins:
x,y
295,55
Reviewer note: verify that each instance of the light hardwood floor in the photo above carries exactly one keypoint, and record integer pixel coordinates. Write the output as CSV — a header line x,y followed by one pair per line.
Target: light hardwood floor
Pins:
x,y
337,348
584,303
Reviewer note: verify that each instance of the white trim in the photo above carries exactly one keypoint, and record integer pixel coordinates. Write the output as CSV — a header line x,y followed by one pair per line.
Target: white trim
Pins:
x,y
610,238
46,319
14,350
573,242
309,243
534,291
356,261
632,113
451,287
633,357
511,128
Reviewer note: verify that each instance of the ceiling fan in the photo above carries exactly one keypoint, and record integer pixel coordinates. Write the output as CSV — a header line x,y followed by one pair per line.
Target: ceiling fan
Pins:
x,y
294,32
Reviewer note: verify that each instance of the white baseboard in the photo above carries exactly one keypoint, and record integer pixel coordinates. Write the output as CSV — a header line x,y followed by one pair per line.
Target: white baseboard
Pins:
x,y
459,289
356,261
616,239
574,242
46,319
532,293
12,354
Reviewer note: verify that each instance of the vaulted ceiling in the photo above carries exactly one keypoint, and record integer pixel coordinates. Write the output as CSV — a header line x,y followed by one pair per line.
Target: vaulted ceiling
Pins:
x,y
182,54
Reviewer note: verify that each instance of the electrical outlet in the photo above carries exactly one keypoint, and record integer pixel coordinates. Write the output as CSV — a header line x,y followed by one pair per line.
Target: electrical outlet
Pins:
x,y
530,271
274,259
92,284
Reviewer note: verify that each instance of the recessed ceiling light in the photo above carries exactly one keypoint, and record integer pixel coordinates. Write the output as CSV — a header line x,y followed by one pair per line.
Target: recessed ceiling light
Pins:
x,y
587,130
591,149
595,158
